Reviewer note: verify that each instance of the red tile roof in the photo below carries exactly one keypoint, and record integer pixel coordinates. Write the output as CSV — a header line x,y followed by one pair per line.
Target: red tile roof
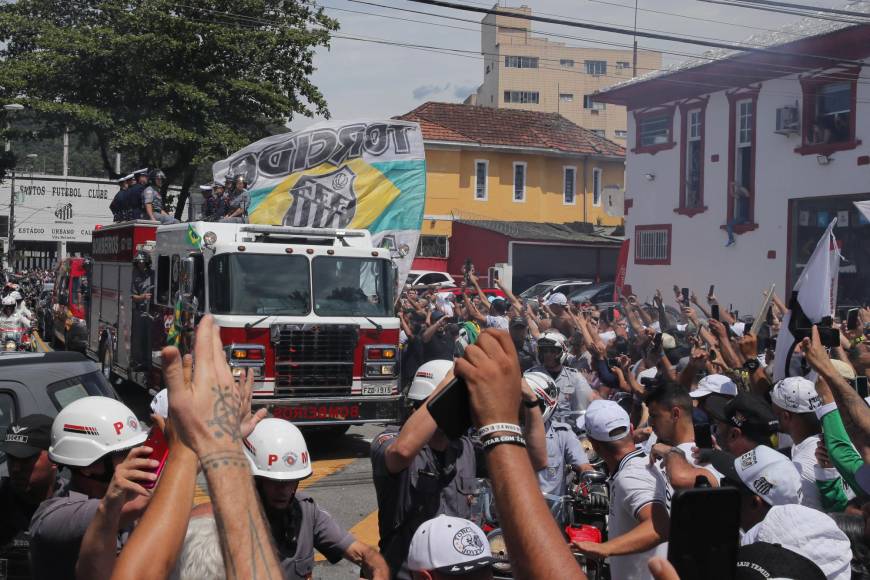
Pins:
x,y
508,127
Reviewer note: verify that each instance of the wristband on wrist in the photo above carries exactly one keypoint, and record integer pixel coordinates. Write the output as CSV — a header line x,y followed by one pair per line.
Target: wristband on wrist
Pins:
x,y
494,427
857,340
509,439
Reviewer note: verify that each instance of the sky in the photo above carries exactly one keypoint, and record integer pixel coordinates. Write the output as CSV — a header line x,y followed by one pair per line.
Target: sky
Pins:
x,y
369,80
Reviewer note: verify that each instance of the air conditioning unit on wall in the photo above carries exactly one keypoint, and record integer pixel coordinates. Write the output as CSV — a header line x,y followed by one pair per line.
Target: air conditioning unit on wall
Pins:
x,y
788,120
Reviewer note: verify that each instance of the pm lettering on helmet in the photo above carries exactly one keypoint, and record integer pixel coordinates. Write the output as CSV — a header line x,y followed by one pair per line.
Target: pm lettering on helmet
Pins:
x,y
271,459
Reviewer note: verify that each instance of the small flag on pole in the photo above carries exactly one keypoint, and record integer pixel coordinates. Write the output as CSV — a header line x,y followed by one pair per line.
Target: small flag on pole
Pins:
x,y
193,238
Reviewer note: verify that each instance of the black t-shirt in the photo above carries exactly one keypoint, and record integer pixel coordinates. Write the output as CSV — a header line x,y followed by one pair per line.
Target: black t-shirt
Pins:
x,y
439,347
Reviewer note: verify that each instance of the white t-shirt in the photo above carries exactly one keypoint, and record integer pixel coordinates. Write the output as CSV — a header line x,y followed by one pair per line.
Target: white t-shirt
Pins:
x,y
634,485
687,449
803,455
500,322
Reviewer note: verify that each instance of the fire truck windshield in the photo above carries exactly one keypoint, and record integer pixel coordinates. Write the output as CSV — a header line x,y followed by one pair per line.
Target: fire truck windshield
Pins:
x,y
352,286
259,284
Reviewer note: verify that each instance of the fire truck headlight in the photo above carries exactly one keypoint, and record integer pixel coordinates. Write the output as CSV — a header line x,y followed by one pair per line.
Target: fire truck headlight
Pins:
x,y
209,239
380,370
377,352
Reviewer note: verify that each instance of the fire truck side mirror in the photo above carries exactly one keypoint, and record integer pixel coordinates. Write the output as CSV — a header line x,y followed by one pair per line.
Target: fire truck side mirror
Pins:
x,y
188,267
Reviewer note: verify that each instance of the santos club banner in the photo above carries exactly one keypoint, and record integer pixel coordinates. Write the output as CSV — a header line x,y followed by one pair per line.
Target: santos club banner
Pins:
x,y
340,174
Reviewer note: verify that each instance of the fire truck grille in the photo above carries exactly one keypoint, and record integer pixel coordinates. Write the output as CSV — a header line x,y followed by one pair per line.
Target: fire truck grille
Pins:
x,y
314,360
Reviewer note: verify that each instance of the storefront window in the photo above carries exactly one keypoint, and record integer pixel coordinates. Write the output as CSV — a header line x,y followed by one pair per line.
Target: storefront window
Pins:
x,y
809,218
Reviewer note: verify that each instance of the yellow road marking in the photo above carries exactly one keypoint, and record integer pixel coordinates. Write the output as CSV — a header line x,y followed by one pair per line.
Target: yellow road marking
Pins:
x,y
322,469
366,531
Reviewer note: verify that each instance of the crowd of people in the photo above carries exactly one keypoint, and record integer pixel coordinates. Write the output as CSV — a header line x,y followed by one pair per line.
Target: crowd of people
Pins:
x,y
665,399
140,196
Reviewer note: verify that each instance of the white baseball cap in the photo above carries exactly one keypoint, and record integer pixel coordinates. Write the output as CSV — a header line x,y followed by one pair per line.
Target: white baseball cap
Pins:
x,y
449,545
810,533
765,472
557,298
795,395
607,421
714,384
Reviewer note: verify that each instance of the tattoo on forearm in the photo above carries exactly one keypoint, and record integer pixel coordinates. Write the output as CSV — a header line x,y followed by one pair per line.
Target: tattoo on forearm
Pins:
x,y
225,414
213,461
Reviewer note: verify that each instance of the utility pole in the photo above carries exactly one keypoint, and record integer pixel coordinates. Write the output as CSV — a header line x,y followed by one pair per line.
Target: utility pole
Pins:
x,y
66,151
10,251
634,53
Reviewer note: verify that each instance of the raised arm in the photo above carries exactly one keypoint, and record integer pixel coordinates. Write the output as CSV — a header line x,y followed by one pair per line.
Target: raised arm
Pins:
x,y
510,296
535,544
208,413
480,293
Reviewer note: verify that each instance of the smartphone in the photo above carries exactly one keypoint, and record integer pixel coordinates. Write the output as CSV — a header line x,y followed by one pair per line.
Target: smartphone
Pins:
x,y
768,317
710,293
705,547
657,342
861,386
714,312
156,440
685,293
612,362
703,436
451,409
852,319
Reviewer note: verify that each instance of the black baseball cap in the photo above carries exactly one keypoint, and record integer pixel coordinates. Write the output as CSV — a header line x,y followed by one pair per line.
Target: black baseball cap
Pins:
x,y
518,321
746,411
28,436
761,561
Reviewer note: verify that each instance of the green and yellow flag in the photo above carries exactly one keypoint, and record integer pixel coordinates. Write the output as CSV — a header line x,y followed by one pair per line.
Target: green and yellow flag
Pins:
x,y
193,238
173,337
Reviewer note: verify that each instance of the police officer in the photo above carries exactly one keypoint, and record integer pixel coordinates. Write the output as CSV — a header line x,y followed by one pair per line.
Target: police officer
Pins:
x,y
219,194
141,289
209,202
519,329
32,480
91,436
419,473
563,447
279,460
124,184
575,393
237,211
152,199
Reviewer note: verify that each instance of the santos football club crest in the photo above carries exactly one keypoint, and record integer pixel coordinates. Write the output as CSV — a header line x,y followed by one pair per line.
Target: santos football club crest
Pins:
x,y
323,201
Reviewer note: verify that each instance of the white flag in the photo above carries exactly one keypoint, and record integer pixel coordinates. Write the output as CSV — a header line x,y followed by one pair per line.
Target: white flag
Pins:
x,y
817,294
864,208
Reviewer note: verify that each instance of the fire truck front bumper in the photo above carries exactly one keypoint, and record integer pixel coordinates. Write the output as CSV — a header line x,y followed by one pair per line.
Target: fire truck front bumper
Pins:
x,y
335,411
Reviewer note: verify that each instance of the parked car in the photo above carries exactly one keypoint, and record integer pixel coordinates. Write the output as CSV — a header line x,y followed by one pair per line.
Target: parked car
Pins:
x,y
542,290
45,383
594,293
427,277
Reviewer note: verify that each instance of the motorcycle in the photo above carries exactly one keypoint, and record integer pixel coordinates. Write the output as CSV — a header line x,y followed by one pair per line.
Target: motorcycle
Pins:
x,y
19,340
581,515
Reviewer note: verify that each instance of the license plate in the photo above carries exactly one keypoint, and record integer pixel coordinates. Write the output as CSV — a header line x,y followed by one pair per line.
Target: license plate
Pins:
x,y
377,390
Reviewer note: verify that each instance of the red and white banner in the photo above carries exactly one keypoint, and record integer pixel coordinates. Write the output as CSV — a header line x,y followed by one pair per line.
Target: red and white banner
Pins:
x,y
621,267
817,294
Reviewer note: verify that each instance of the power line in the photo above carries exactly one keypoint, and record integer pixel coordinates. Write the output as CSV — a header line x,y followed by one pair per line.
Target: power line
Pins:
x,y
810,9
790,12
782,69
623,31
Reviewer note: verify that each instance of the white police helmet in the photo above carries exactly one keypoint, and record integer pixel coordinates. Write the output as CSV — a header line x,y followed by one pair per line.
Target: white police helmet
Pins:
x,y
543,385
277,450
92,427
427,378
553,339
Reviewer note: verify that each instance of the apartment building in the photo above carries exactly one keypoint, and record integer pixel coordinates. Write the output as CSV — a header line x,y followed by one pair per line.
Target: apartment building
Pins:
x,y
526,71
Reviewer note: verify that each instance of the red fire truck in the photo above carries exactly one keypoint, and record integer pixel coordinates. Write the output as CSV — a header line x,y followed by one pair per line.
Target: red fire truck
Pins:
x,y
65,323
309,309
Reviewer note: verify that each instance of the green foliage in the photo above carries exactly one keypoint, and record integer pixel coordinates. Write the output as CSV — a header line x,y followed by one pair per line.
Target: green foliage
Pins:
x,y
167,84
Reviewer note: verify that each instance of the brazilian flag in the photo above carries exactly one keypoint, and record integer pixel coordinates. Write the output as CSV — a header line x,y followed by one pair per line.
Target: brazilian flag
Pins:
x,y
193,238
173,337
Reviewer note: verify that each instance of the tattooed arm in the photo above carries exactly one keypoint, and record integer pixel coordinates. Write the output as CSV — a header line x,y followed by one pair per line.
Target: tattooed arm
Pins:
x,y
211,414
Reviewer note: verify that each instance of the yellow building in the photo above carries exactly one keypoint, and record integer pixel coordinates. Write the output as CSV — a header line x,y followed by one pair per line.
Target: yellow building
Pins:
x,y
486,163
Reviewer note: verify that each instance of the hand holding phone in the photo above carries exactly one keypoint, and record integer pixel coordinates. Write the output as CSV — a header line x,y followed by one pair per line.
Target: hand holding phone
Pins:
x,y
451,409
705,547
160,452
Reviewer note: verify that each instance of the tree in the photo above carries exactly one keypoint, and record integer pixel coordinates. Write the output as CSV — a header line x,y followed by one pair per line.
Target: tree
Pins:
x,y
167,84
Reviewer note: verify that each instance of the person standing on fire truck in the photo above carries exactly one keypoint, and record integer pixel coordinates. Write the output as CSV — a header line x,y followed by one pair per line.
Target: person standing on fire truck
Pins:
x,y
141,289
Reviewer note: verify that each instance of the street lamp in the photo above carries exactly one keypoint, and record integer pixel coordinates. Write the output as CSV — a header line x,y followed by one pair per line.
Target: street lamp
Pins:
x,y
11,108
